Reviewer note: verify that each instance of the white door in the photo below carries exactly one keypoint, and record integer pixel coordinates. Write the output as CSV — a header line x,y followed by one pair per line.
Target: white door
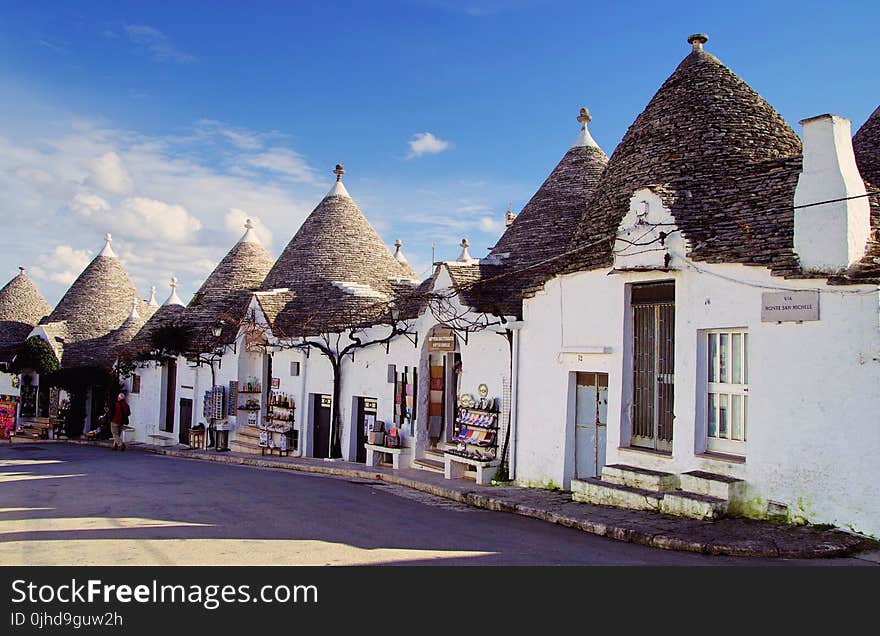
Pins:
x,y
591,411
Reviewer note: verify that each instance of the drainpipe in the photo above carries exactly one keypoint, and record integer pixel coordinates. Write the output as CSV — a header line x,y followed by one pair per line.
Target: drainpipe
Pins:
x,y
303,372
514,399
514,328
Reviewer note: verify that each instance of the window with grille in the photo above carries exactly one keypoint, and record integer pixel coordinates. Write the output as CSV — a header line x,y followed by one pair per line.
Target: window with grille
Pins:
x,y
727,401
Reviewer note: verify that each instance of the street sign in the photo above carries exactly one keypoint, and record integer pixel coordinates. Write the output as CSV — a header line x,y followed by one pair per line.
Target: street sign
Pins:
x,y
789,306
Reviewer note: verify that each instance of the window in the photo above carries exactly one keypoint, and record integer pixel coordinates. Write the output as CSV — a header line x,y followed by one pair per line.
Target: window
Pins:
x,y
135,383
728,389
294,368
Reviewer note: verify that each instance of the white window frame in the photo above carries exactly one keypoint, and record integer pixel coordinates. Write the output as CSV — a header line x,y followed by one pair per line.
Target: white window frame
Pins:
x,y
727,391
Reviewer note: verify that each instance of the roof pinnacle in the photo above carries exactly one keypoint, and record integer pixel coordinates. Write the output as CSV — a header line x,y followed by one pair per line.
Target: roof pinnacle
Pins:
x,y
173,298
108,250
338,188
250,234
152,302
465,257
133,314
584,138
698,40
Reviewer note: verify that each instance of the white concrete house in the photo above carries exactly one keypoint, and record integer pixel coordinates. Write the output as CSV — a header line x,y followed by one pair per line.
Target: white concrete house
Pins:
x,y
710,341
167,397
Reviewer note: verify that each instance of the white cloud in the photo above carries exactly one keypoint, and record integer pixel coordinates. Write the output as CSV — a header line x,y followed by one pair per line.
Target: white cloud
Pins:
x,y
490,225
89,205
155,43
141,217
108,173
62,265
285,162
177,224
426,144
235,220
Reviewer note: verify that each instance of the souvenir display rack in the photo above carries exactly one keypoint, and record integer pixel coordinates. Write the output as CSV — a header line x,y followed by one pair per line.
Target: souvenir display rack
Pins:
x,y
476,432
277,432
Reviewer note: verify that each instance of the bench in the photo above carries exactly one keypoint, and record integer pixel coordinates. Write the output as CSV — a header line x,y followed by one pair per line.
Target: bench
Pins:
x,y
455,467
161,440
374,451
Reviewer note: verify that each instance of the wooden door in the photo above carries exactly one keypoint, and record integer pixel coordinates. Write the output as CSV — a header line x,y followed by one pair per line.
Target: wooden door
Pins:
x,y
321,426
591,418
186,413
170,395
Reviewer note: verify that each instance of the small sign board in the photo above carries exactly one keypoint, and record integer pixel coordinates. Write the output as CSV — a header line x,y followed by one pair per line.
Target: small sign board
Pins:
x,y
789,306
441,341
276,383
326,401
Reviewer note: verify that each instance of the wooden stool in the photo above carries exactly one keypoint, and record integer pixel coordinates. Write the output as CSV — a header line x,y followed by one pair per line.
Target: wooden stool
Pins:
x,y
197,438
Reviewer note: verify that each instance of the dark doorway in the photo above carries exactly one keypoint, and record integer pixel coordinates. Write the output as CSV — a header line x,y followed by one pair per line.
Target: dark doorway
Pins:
x,y
366,418
43,400
653,311
170,395
321,426
186,418
100,406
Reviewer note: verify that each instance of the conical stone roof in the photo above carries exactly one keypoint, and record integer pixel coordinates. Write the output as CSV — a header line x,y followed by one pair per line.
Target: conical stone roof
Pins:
x,y
547,223
336,268
705,143
171,312
866,144
105,350
226,293
97,303
543,230
21,307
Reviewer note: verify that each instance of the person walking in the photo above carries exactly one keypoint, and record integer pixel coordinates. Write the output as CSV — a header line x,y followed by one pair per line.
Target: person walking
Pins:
x,y
121,413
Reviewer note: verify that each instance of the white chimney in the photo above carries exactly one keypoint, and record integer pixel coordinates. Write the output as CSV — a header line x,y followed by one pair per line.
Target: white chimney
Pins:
x,y
830,236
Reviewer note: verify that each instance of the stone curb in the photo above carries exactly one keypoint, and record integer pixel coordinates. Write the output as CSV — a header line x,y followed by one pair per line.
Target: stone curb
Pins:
x,y
478,500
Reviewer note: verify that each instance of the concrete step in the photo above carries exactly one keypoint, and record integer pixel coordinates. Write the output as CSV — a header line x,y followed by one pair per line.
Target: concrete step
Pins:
x,y
639,478
721,486
693,505
245,446
429,464
605,493
248,433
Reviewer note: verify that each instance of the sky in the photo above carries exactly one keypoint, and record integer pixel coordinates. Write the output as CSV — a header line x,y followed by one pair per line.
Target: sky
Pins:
x,y
170,124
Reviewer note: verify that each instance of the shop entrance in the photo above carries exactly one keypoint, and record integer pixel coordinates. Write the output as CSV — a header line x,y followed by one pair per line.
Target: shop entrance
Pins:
x,y
321,426
445,371
591,417
366,418
186,418
653,325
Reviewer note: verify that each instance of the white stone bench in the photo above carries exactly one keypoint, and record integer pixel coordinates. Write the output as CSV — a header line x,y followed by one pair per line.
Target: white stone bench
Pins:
x,y
455,467
374,453
161,440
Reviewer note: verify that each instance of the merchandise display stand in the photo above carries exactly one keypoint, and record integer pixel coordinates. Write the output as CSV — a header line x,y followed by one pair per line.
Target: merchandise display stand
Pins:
x,y
278,429
476,435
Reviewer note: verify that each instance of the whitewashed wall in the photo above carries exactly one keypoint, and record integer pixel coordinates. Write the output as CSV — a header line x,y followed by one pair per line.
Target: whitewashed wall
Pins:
x,y
813,437
6,387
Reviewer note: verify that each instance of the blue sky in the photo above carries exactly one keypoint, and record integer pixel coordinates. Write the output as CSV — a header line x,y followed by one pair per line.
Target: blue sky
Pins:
x,y
168,124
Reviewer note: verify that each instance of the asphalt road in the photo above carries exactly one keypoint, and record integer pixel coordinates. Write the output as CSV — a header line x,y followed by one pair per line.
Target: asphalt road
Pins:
x,y
74,505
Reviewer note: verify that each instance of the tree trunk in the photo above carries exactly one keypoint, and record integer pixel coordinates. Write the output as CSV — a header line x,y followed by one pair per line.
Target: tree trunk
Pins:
x,y
336,416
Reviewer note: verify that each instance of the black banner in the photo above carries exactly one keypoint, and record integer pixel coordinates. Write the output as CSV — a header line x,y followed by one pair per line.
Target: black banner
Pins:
x,y
465,599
